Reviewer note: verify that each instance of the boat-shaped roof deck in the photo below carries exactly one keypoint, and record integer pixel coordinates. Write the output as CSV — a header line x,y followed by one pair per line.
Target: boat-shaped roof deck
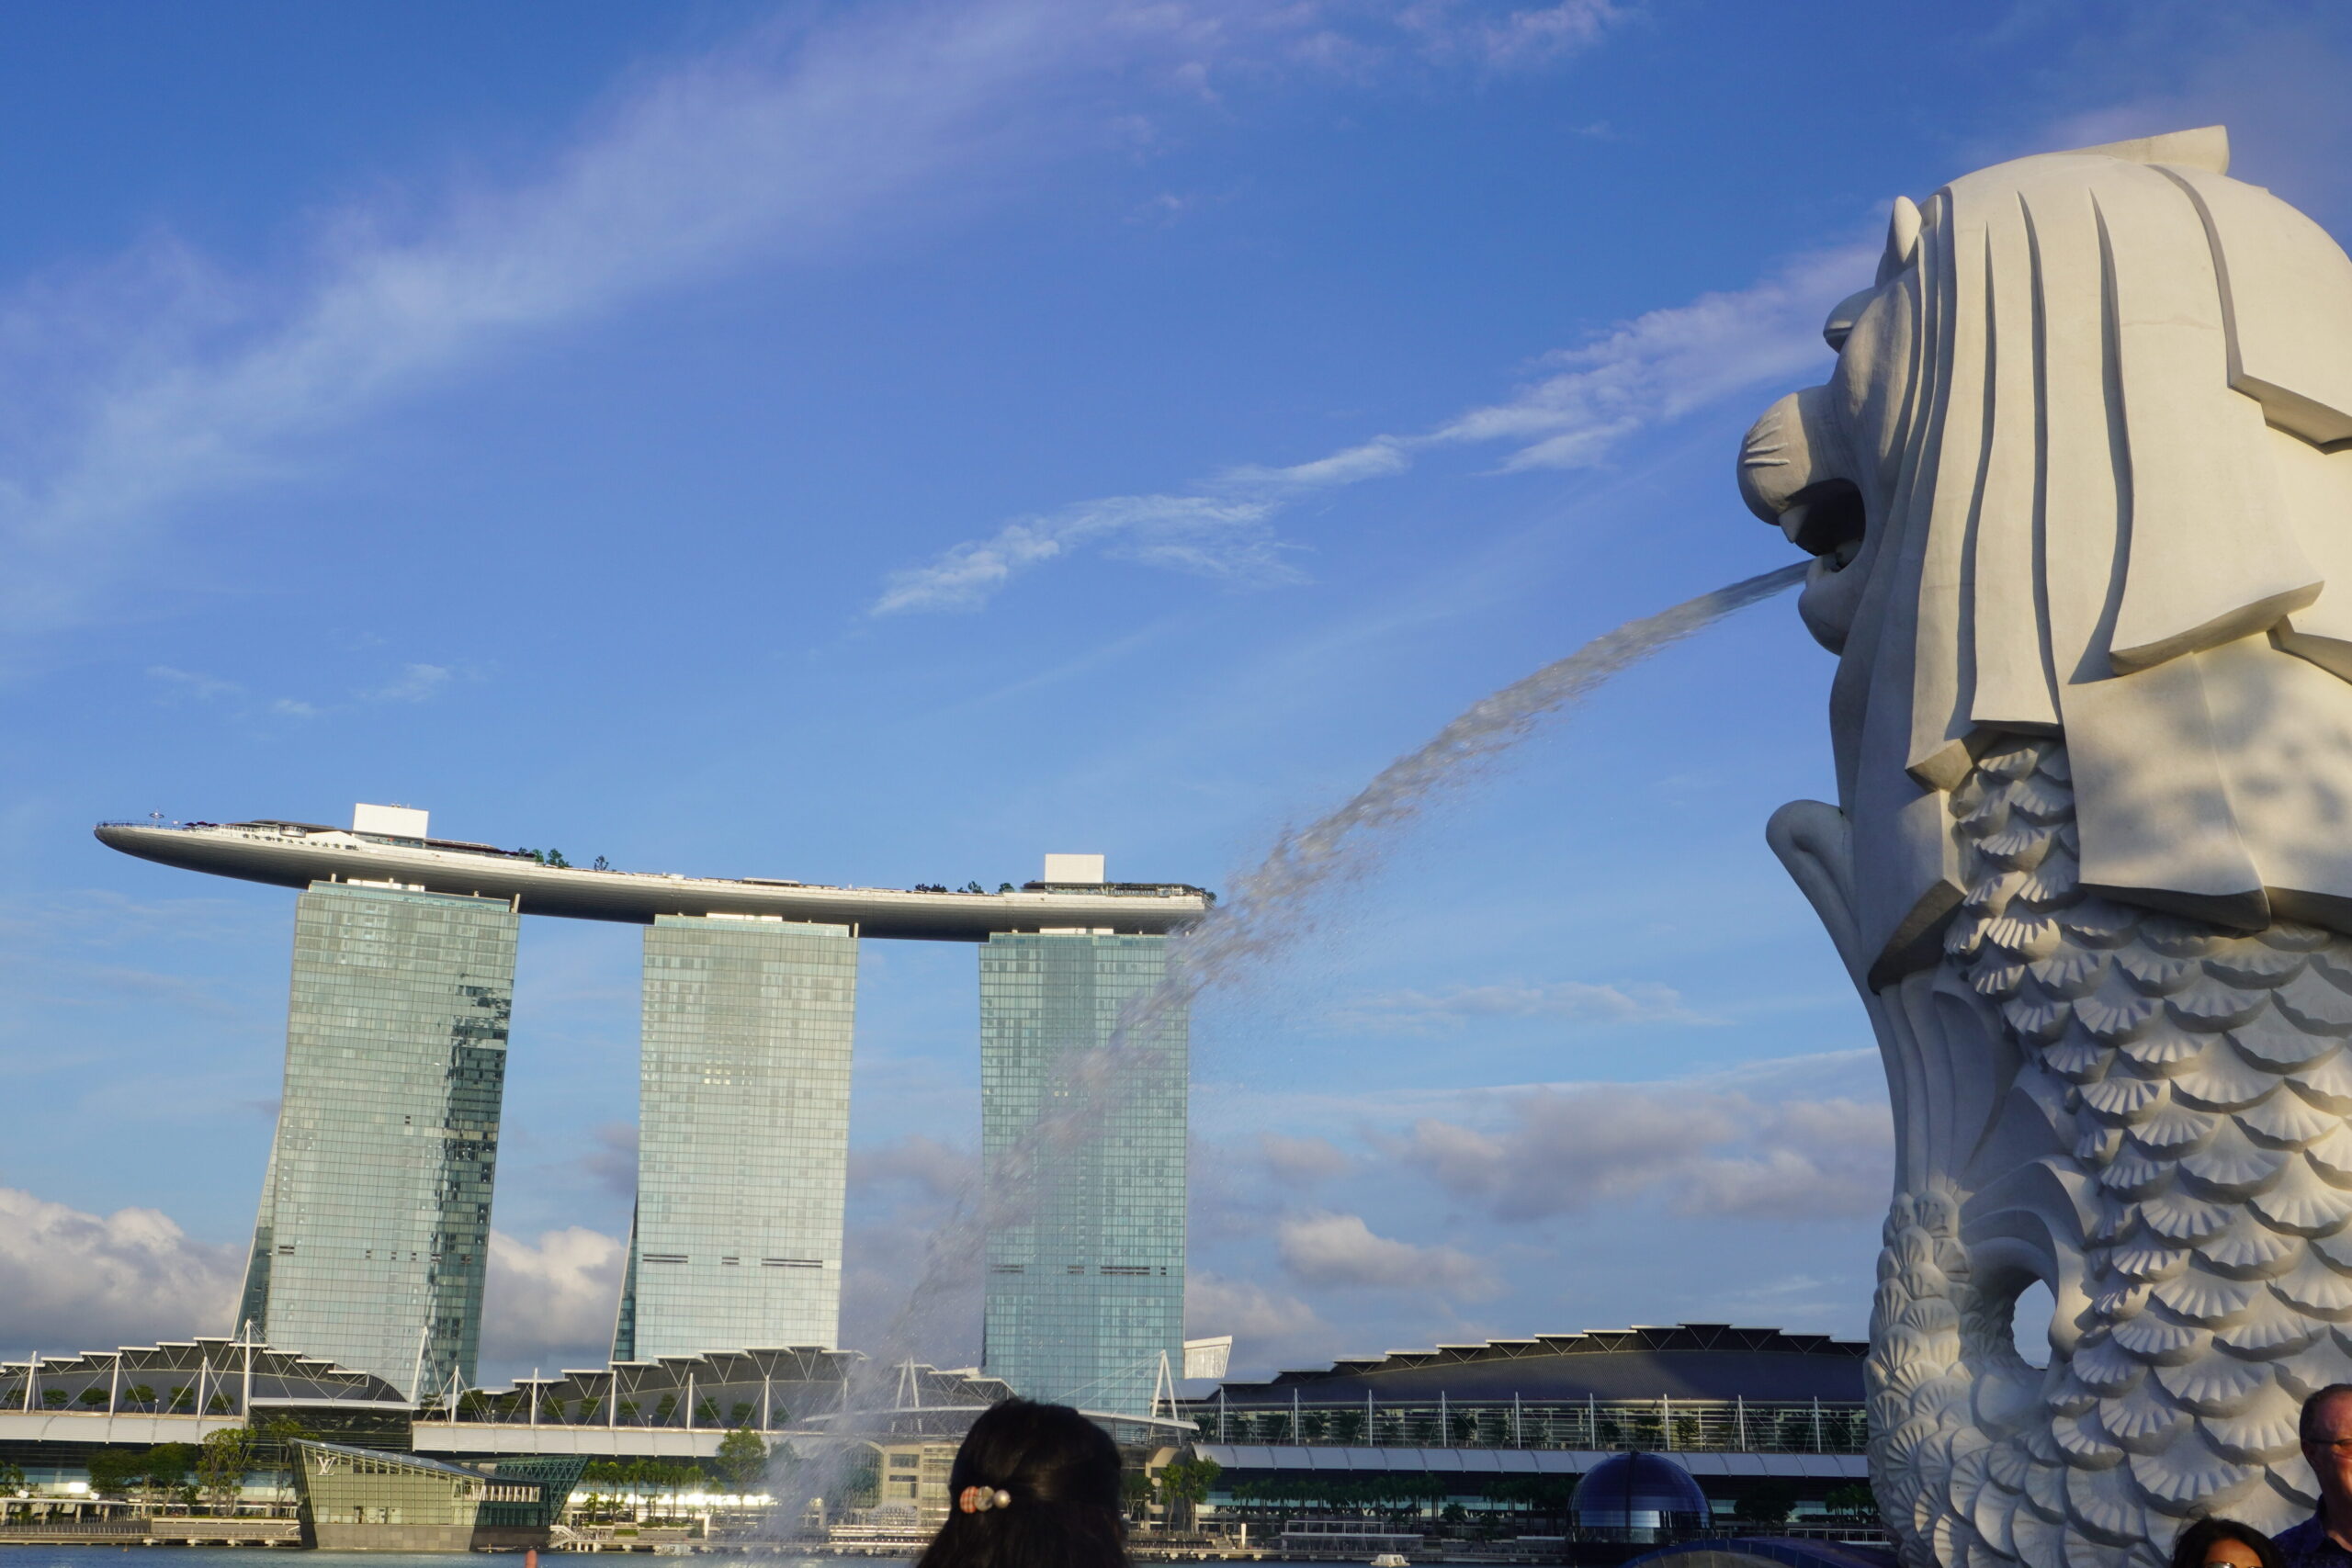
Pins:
x,y
295,854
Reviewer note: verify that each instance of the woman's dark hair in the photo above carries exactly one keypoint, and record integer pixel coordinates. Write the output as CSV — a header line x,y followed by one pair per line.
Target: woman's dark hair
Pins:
x,y
1061,1473
2189,1551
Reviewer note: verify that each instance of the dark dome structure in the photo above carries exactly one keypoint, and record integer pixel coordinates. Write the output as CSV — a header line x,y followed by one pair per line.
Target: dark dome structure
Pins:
x,y
1637,1490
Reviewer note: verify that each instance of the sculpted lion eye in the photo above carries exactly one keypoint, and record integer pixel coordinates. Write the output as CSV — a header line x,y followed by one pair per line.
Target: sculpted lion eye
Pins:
x,y
1842,317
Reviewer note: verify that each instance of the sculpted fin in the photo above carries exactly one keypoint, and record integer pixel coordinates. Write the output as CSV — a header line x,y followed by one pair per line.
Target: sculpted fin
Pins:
x,y
2207,148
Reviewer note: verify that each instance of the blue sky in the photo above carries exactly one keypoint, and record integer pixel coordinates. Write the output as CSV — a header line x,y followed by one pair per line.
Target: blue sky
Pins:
x,y
883,442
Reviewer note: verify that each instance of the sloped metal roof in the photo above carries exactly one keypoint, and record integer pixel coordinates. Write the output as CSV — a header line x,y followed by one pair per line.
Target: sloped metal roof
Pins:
x,y
1687,1361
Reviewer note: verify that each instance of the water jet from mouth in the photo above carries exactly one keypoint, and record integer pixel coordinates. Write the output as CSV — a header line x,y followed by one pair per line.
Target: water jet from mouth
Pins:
x,y
1265,910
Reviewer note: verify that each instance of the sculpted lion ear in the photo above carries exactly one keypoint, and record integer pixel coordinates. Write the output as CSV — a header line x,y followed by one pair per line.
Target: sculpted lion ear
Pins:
x,y
2206,147
1901,238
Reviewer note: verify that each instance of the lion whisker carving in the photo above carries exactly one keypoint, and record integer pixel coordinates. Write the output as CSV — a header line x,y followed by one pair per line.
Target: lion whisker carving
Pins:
x,y
2081,521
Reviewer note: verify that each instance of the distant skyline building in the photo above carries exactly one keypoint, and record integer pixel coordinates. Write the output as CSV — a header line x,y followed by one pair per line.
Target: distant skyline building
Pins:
x,y
372,1242
743,1137
370,1247
1083,1150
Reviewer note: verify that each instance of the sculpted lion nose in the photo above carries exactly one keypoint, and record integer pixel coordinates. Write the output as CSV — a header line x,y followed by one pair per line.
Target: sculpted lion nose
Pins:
x,y
1780,457
1774,459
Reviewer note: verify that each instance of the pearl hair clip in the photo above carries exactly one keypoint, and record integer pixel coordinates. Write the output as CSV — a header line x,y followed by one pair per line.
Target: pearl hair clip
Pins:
x,y
981,1499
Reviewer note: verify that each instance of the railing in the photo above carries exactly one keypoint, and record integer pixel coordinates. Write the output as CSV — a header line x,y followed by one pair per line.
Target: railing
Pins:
x,y
1716,1425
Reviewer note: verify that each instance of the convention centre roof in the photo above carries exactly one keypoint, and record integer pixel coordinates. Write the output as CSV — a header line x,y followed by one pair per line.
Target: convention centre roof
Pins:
x,y
184,1377
1689,1360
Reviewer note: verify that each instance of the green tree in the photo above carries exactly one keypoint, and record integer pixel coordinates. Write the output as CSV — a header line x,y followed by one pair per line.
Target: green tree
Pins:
x,y
667,1408
1186,1483
274,1440
742,1458
166,1468
55,1398
140,1393
93,1397
112,1470
739,1414
1769,1503
221,1461
1850,1502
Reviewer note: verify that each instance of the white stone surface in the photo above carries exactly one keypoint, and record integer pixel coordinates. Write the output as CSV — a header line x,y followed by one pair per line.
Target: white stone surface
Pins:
x,y
392,821
2087,567
1073,869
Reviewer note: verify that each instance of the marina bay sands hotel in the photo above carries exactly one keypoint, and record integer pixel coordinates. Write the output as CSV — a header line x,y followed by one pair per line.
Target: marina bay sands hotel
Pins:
x,y
372,1243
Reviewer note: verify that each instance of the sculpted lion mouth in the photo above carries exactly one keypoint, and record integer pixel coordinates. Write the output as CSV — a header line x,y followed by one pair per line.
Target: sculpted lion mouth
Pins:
x,y
1827,520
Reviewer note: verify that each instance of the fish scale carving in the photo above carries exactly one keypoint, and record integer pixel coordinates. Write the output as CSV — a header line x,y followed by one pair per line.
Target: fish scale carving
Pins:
x,y
2203,1139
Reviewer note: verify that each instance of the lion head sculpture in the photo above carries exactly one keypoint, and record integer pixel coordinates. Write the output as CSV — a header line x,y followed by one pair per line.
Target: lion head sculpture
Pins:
x,y
2080,473
2080,504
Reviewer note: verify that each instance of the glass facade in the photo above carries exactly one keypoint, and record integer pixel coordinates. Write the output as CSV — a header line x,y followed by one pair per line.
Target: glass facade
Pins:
x,y
374,1232
743,1137
1083,1145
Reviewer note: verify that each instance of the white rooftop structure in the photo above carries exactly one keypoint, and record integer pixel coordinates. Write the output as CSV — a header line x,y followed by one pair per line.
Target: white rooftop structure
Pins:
x,y
389,845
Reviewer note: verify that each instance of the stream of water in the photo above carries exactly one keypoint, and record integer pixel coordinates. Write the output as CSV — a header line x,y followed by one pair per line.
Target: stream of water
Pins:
x,y
1261,911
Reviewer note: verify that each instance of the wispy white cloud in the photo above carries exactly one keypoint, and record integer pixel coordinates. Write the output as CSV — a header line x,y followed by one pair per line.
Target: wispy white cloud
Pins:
x,y
782,142
164,377
1204,535
414,683
1587,402
1569,1001
168,378
1507,38
1374,459
189,683
1662,364
1334,1249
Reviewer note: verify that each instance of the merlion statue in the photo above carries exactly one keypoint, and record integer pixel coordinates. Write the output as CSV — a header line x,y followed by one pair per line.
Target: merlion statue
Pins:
x,y
2080,502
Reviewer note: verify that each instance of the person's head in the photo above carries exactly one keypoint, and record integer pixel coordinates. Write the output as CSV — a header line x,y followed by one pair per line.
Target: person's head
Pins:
x,y
1033,1486
2223,1543
2327,1443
